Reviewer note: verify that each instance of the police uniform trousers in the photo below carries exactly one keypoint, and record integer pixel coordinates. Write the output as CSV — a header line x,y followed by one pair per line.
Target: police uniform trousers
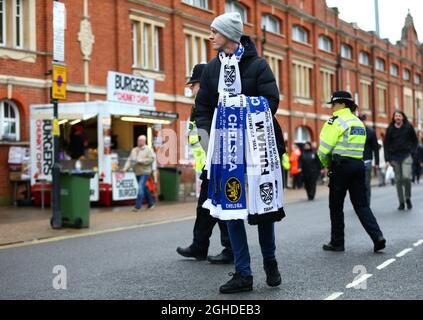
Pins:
x,y
204,224
349,175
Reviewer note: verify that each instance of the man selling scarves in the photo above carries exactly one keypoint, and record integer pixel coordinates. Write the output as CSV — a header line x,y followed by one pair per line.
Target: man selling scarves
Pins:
x,y
237,100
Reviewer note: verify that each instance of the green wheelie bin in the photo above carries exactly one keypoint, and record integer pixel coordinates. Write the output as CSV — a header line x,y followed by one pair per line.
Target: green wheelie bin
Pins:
x,y
170,178
75,198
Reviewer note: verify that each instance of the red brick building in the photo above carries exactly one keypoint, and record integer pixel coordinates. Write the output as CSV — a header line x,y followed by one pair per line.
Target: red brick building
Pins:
x,y
311,51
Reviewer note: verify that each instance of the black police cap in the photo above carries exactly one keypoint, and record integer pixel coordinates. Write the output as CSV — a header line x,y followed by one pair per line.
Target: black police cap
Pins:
x,y
196,73
342,96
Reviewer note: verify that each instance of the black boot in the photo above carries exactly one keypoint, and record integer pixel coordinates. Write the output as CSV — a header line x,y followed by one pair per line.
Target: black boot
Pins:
x,y
225,257
189,252
238,283
331,247
273,277
409,205
401,206
379,244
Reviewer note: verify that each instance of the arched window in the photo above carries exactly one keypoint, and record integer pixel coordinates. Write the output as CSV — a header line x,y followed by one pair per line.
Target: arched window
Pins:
x,y
271,23
325,43
9,121
235,6
302,134
299,34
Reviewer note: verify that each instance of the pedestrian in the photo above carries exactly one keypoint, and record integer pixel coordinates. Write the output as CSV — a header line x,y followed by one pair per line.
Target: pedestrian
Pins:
x,y
381,172
204,222
286,166
417,163
310,170
400,143
371,147
296,170
238,66
141,161
342,141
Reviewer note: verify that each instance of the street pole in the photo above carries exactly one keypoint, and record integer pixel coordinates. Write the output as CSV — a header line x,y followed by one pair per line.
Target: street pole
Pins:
x,y
56,221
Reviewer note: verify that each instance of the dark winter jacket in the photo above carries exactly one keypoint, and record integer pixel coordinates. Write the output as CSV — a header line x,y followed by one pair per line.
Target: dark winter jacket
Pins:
x,y
371,147
399,143
310,164
257,80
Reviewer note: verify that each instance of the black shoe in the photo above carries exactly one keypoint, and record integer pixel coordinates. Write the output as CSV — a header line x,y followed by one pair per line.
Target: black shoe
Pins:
x,y
238,283
221,258
409,205
401,206
379,244
190,253
331,247
273,277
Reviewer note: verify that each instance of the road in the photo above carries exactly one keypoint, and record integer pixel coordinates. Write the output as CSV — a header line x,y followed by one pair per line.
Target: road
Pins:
x,y
142,263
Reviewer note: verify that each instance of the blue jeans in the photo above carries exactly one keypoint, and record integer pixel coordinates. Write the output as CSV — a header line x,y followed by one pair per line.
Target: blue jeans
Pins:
x,y
143,190
238,238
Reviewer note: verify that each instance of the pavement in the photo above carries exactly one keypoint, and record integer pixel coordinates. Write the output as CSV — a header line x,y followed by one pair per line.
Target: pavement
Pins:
x,y
141,263
32,224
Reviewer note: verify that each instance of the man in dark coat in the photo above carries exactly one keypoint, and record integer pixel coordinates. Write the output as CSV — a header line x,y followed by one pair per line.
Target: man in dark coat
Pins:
x,y
400,144
310,169
257,79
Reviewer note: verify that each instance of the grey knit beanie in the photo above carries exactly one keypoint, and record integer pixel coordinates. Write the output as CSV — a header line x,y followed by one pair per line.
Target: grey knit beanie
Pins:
x,y
230,25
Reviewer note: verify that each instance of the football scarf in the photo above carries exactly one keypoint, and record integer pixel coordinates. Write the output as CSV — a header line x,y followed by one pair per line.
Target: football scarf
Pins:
x,y
230,78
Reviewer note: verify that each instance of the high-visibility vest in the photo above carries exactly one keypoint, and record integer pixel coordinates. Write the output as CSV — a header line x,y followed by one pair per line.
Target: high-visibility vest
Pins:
x,y
196,148
285,161
343,134
294,160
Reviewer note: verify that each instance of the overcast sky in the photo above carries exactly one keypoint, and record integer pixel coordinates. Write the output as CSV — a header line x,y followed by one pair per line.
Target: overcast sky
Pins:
x,y
392,15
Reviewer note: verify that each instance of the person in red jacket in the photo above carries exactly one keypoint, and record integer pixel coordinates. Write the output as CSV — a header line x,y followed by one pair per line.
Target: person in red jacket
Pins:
x,y
296,170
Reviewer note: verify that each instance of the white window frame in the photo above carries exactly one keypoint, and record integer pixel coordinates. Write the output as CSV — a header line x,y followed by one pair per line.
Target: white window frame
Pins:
x,y
234,6
18,34
275,63
365,95
302,81
3,120
404,73
346,51
327,84
135,43
417,78
394,70
197,3
3,14
364,58
193,54
382,92
299,33
266,21
302,134
380,64
325,43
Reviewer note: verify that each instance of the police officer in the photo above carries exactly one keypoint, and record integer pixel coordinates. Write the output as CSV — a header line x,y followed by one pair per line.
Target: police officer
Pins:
x,y
341,149
204,222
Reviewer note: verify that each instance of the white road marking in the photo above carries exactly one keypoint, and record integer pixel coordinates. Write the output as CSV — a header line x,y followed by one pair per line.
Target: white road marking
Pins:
x,y
353,284
334,296
418,243
385,264
403,252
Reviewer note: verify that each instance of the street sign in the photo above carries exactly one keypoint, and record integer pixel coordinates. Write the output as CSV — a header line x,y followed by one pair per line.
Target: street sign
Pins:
x,y
59,82
59,24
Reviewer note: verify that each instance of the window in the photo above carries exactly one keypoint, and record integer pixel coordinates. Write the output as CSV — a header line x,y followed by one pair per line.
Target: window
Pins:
x,y
203,4
380,64
365,96
299,34
2,22
381,100
394,70
195,51
146,44
9,121
275,64
270,23
302,76
327,84
302,134
346,51
364,58
408,102
234,6
325,43
19,23
406,74
417,79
